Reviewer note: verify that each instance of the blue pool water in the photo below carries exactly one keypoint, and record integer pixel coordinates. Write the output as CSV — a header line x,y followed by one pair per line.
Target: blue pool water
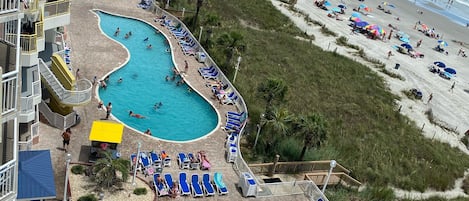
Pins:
x,y
184,115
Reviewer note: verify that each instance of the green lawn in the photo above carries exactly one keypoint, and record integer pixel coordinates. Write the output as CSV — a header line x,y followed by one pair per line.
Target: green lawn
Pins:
x,y
366,134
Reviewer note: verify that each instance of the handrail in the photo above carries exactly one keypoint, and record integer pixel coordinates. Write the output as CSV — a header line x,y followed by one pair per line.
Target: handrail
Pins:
x,y
9,94
55,119
7,173
295,164
81,95
28,43
39,29
8,6
55,8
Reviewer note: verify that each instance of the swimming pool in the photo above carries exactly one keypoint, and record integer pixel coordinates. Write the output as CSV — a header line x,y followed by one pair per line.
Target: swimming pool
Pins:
x,y
184,114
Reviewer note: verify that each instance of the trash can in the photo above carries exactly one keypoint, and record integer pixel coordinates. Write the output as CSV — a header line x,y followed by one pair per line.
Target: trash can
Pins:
x,y
397,66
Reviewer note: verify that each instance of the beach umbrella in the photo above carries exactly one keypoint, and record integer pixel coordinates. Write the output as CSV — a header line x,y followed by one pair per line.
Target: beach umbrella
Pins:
x,y
336,10
407,46
342,6
443,43
405,40
362,6
361,24
439,64
327,3
355,19
424,26
450,71
355,14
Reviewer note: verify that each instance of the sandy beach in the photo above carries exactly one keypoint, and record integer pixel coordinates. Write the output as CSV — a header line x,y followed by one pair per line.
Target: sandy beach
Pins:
x,y
448,106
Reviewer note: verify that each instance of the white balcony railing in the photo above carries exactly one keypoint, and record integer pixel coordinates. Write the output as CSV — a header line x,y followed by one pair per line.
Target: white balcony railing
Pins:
x,y
37,88
8,6
55,8
7,178
9,94
28,142
27,105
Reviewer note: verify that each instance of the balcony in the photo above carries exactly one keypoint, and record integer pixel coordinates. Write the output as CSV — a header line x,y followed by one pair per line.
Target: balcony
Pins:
x,y
28,142
7,178
8,6
56,14
28,104
31,44
9,93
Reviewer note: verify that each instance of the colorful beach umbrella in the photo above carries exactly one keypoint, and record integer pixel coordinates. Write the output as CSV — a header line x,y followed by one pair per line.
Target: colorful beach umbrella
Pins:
x,y
424,26
443,43
327,3
439,64
342,6
336,10
362,6
405,40
355,19
450,71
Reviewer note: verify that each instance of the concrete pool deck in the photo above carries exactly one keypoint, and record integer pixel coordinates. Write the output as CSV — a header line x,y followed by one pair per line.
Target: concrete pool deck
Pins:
x,y
96,55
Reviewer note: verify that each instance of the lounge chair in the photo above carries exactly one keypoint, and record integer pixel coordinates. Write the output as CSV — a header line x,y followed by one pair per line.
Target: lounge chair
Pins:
x,y
183,160
195,186
146,164
160,187
219,184
195,163
169,180
156,160
205,164
235,114
210,71
166,159
213,76
184,186
133,160
230,101
208,187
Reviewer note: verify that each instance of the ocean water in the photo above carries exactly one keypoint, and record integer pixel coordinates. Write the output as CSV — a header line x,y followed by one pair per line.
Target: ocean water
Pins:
x,y
458,11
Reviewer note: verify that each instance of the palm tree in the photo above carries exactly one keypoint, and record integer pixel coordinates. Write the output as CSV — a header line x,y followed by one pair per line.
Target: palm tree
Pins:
x,y
312,129
105,170
233,42
273,90
194,22
278,124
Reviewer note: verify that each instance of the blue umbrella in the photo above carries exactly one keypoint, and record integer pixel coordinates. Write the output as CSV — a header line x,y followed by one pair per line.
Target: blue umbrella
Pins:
x,y
450,71
361,24
342,6
405,40
439,64
337,10
327,3
355,14
362,6
442,42
406,45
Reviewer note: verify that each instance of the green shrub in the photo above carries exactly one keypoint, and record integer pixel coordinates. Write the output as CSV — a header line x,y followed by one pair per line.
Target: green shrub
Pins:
x,y
327,32
379,194
140,191
89,197
78,169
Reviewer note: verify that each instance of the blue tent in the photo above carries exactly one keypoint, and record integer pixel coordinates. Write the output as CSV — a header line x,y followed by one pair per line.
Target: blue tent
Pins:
x,y
450,71
440,64
406,45
35,175
361,24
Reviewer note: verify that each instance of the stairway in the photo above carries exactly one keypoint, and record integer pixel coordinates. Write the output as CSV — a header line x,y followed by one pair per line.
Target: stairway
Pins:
x,y
81,95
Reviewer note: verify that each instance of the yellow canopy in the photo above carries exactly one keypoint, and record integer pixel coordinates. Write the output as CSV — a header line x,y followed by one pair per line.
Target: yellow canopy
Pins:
x,y
106,131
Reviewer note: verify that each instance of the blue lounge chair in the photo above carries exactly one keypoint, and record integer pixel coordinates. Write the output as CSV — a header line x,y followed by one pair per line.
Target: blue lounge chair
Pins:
x,y
169,180
219,184
183,160
184,186
210,71
155,159
160,187
196,188
208,187
212,76
166,159
235,114
133,160
146,164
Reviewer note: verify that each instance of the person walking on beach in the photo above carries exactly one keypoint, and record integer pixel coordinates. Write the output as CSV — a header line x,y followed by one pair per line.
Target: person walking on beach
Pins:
x,y
389,54
108,110
390,35
66,138
430,98
419,43
452,87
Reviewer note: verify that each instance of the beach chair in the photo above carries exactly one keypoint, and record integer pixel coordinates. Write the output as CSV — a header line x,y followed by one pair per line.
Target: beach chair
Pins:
x,y
133,160
146,164
235,114
207,185
212,76
155,159
166,159
183,161
160,187
195,163
210,71
219,184
195,186
183,185
169,180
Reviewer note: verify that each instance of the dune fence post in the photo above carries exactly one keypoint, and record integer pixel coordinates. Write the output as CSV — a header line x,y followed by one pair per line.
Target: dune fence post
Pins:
x,y
274,166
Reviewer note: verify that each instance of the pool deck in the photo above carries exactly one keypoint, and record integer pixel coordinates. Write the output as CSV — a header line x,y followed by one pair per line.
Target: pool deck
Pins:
x,y
96,55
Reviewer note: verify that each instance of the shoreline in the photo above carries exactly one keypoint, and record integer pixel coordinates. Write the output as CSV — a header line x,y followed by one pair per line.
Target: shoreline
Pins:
x,y
447,106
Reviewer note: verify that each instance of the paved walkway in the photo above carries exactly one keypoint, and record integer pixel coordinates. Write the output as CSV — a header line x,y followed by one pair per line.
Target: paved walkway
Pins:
x,y
96,55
